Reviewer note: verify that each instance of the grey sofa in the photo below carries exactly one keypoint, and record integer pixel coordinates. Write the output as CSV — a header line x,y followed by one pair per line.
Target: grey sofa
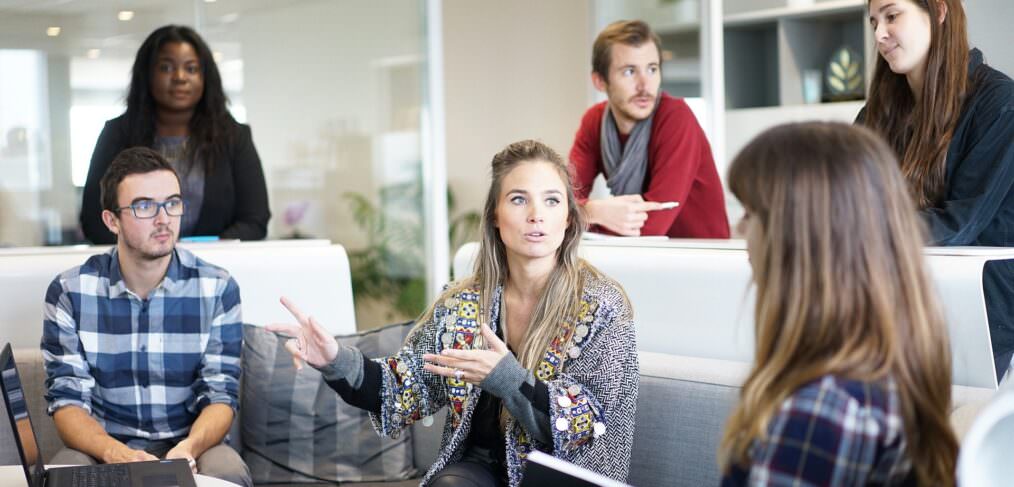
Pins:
x,y
681,410
679,420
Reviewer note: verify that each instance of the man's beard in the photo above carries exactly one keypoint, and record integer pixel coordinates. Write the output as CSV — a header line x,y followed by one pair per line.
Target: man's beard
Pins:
x,y
628,114
139,250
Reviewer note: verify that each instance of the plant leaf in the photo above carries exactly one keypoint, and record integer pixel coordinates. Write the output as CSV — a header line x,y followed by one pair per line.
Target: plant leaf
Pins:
x,y
852,70
837,70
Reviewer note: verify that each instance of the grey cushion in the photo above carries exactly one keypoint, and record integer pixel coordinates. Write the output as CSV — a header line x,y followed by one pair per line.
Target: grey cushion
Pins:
x,y
679,424
297,429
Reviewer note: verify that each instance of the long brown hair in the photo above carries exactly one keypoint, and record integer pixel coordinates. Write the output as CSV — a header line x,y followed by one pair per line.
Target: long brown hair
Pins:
x,y
920,131
841,288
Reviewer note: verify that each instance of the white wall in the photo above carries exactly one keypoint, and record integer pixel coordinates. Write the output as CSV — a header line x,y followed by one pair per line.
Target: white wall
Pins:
x,y
513,70
989,29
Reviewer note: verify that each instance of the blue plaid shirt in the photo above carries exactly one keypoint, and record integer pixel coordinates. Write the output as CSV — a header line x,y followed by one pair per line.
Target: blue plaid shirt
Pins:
x,y
833,432
143,368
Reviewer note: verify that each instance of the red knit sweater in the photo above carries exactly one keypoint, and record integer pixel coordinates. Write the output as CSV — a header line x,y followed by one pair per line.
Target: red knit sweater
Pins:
x,y
680,168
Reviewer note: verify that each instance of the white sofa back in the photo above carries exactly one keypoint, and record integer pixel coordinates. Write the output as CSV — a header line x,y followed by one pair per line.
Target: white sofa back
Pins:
x,y
313,273
693,298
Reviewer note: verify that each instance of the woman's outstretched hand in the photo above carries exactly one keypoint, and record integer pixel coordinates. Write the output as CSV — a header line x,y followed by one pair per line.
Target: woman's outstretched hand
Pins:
x,y
468,365
308,341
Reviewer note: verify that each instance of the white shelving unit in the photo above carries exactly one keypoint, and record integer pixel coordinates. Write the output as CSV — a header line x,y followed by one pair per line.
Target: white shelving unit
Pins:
x,y
750,11
768,46
744,124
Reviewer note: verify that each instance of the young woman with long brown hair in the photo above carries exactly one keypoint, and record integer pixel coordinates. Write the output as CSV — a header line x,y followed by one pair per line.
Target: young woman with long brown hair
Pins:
x,y
950,119
535,350
851,383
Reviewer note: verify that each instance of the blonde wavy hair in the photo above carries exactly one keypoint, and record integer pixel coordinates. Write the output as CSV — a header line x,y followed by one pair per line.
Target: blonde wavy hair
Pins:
x,y
563,290
841,289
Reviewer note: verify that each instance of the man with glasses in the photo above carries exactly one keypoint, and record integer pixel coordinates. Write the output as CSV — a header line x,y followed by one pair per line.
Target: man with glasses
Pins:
x,y
141,343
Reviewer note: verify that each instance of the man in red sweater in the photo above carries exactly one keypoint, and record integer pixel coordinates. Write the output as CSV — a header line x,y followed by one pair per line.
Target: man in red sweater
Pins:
x,y
648,145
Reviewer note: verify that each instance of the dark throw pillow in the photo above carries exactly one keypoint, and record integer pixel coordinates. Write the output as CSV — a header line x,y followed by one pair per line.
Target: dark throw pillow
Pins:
x,y
297,429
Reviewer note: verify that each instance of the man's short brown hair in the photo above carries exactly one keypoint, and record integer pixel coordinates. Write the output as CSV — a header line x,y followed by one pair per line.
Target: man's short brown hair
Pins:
x,y
135,160
629,32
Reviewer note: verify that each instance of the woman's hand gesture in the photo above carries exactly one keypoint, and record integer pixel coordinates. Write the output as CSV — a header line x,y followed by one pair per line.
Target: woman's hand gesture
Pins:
x,y
468,365
308,341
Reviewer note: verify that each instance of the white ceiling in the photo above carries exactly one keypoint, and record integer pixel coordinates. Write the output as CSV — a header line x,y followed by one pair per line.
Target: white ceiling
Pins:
x,y
93,24
74,7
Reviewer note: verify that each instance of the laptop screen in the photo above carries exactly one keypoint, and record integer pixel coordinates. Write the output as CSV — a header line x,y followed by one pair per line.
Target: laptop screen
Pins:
x,y
17,413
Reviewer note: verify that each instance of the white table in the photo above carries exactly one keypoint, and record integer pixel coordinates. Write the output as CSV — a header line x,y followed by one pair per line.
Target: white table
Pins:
x,y
694,297
14,476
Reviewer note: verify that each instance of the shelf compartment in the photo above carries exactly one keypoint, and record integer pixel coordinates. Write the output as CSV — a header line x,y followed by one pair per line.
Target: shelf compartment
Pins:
x,y
752,66
808,44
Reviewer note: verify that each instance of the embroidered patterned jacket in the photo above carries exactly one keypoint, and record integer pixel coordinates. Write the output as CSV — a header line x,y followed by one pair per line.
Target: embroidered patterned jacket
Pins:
x,y
592,378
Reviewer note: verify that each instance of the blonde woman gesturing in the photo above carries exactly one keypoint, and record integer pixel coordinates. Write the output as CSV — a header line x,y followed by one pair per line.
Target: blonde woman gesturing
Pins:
x,y
535,350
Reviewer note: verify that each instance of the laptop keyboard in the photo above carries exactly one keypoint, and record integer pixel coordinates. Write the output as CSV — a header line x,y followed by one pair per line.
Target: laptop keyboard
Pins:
x,y
101,475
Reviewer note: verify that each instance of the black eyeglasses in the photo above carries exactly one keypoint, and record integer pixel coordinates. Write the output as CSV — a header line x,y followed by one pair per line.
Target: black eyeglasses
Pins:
x,y
145,209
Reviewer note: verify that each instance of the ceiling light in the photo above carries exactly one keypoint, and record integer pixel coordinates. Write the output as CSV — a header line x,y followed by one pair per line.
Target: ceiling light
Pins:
x,y
52,31
93,53
125,15
210,1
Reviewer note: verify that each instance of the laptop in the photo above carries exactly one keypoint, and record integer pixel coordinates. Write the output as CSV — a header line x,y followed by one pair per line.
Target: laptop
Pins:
x,y
159,473
542,470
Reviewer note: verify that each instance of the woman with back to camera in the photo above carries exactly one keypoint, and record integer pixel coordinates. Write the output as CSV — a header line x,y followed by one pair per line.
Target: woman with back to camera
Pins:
x,y
534,350
851,381
177,106
950,119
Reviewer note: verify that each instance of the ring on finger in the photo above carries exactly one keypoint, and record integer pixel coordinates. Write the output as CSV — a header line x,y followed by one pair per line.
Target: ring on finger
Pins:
x,y
458,374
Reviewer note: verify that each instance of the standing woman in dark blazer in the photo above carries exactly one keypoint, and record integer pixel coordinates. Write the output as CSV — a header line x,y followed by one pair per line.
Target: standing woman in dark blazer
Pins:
x,y
176,105
950,119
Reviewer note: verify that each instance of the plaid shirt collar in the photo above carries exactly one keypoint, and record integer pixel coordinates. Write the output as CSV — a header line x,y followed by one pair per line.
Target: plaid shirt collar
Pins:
x,y
170,283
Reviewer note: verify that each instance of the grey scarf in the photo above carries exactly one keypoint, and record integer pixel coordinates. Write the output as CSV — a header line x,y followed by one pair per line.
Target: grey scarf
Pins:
x,y
626,168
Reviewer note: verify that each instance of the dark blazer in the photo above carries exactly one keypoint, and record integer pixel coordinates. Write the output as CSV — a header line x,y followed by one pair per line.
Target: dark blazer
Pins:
x,y
979,205
978,208
235,196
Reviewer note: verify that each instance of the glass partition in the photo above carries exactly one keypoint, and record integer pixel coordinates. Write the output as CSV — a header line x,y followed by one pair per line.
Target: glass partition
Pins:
x,y
333,92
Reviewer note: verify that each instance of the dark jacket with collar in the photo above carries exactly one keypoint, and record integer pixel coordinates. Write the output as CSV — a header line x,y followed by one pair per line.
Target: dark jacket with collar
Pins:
x,y
235,204
978,207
